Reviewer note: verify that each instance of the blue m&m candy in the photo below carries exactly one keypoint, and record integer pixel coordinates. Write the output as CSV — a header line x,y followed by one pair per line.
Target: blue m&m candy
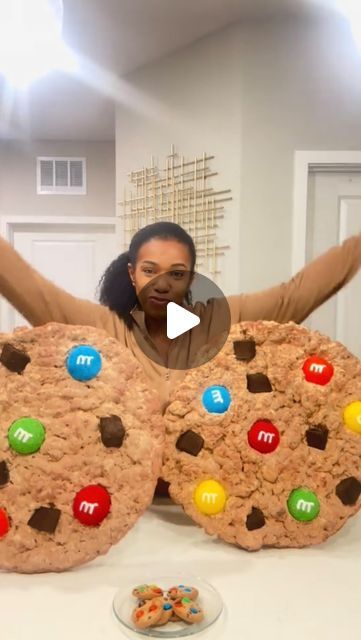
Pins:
x,y
216,399
84,363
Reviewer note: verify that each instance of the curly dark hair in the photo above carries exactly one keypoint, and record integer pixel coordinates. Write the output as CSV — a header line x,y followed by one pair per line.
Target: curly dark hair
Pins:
x,y
115,287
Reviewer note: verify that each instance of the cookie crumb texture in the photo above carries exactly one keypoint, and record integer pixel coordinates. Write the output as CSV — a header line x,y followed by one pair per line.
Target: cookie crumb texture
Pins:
x,y
81,441
280,466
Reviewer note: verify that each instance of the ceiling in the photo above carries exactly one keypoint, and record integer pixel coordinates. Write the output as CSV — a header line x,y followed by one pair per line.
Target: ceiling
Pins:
x,y
115,37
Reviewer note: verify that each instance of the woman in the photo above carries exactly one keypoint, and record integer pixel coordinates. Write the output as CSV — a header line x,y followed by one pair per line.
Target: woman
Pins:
x,y
158,268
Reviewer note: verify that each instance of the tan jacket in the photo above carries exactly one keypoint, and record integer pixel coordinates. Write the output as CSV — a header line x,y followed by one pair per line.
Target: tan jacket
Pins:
x,y
40,301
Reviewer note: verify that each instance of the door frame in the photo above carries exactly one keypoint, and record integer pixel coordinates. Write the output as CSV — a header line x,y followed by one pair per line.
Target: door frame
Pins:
x,y
303,160
8,225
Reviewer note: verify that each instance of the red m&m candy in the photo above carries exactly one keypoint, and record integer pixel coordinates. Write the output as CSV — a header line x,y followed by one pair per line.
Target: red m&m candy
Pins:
x,y
91,505
4,523
264,436
317,370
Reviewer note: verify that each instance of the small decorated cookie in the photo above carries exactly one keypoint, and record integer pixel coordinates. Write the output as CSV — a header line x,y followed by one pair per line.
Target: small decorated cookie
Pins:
x,y
182,591
188,610
148,614
147,591
166,614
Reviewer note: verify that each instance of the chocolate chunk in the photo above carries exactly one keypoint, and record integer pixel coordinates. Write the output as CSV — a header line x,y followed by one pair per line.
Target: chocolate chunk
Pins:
x,y
190,442
255,519
317,436
112,431
162,488
244,350
45,519
4,473
14,359
348,490
258,383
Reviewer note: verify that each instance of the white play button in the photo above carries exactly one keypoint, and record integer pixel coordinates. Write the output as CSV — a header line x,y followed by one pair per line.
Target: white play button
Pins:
x,y
179,320
197,330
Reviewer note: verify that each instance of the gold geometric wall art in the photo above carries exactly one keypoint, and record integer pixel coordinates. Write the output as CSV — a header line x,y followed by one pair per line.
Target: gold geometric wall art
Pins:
x,y
180,192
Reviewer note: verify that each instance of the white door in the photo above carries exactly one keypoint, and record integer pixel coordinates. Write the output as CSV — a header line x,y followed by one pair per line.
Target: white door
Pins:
x,y
73,256
333,214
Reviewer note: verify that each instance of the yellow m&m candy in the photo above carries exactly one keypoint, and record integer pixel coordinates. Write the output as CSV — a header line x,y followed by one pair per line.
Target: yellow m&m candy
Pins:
x,y
210,497
352,417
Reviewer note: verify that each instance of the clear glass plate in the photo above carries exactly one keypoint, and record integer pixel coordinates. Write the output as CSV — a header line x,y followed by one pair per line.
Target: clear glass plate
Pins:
x,y
209,599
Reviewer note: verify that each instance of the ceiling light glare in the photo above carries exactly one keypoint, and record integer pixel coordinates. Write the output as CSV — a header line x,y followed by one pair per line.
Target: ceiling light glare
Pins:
x,y
31,43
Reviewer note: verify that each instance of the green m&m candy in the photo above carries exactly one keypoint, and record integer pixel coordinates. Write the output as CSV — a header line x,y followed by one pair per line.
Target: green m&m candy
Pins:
x,y
303,505
26,435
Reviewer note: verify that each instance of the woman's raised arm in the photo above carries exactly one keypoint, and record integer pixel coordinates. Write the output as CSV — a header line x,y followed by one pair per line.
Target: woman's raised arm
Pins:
x,y
308,289
40,301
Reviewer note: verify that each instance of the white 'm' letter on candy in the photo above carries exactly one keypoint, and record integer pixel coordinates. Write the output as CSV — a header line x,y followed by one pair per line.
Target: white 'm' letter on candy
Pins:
x,y
84,360
88,507
266,437
209,498
217,396
303,505
22,435
318,368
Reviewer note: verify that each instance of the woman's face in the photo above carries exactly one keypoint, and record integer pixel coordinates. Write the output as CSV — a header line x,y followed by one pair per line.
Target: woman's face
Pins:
x,y
161,275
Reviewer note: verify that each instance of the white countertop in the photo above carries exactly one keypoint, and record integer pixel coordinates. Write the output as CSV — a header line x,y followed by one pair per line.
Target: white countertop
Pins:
x,y
306,594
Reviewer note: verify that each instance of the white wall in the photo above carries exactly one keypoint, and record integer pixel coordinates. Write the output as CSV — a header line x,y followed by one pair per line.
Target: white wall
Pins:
x,y
251,95
195,105
18,179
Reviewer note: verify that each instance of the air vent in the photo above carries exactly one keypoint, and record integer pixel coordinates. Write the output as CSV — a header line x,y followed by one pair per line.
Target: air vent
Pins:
x,y
61,176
